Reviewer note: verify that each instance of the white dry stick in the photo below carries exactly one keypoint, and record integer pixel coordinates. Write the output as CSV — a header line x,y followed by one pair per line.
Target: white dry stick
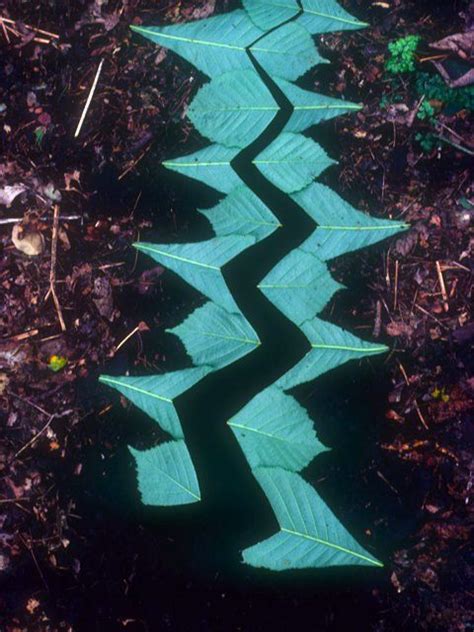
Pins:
x,y
89,99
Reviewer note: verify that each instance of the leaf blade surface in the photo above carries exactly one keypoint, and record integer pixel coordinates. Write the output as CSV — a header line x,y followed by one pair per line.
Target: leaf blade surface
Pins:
x,y
210,165
287,52
292,161
273,430
214,45
341,228
233,109
332,347
300,286
242,213
166,475
213,337
310,534
200,264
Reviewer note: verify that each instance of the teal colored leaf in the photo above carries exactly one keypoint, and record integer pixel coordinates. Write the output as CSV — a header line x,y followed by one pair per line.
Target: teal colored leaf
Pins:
x,y
214,46
273,430
267,14
155,394
300,286
341,229
331,347
310,108
310,535
215,338
233,109
242,213
292,161
200,264
210,166
324,16
166,475
288,52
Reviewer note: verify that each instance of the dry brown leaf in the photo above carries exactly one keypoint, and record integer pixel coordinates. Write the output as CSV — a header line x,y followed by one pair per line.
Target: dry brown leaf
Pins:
x,y
29,242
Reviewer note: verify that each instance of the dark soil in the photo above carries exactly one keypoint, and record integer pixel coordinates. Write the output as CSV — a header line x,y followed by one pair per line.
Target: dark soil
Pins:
x,y
77,550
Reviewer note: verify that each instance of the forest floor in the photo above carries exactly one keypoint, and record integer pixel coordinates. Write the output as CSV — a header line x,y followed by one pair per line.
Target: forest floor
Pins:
x,y
74,298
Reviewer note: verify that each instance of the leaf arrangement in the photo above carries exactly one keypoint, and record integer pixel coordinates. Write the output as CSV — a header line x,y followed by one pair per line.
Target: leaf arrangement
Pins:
x,y
274,431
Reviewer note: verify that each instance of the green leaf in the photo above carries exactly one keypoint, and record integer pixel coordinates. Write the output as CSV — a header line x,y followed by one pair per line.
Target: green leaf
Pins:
x,y
154,394
214,46
288,52
292,161
166,475
210,166
242,213
267,14
311,108
233,109
200,264
275,431
331,347
341,228
324,16
300,286
215,338
310,535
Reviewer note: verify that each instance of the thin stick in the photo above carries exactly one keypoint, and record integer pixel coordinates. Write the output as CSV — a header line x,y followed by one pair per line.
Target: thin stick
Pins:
x,y
63,218
444,294
42,431
38,568
127,337
52,270
89,99
35,437
422,419
5,32
395,293
32,28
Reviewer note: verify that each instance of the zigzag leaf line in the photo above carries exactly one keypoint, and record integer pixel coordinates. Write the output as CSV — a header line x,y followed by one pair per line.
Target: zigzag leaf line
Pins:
x,y
235,108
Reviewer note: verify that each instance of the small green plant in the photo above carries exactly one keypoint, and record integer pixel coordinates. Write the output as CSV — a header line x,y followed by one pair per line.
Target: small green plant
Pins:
x,y
402,54
427,141
435,89
426,111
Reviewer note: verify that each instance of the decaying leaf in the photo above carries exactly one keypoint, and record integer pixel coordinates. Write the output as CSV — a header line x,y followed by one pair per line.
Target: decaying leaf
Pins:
x,y
28,241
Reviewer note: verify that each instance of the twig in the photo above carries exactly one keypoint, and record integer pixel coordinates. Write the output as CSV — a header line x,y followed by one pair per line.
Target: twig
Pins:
x,y
30,403
127,337
134,163
5,32
422,419
38,568
42,431
35,437
15,220
89,99
395,292
442,285
404,373
31,28
52,270
422,309
455,145
140,327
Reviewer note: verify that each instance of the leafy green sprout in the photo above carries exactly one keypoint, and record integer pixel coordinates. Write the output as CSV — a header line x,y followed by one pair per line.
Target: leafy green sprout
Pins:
x,y
402,54
426,111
